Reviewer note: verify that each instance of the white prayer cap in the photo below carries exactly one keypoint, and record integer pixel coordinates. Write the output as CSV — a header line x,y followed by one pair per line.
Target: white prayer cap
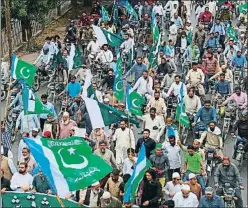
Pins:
x,y
96,183
66,114
175,175
106,195
185,187
192,175
35,129
2,151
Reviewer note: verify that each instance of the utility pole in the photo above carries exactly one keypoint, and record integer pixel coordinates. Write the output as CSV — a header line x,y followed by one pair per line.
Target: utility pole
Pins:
x,y
8,28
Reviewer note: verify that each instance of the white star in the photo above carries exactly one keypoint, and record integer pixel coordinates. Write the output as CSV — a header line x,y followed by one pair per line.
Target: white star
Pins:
x,y
71,150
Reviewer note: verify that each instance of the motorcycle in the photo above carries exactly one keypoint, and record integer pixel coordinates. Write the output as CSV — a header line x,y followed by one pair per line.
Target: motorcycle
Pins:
x,y
241,152
4,89
13,114
171,103
198,130
237,76
229,195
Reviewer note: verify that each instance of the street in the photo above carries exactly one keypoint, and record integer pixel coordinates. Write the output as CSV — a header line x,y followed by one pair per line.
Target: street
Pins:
x,y
228,146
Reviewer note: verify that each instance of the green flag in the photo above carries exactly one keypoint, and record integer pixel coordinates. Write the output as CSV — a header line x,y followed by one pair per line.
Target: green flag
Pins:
x,y
231,33
32,104
105,15
134,102
118,83
131,11
113,39
152,58
243,8
77,59
88,90
69,163
155,33
182,117
22,70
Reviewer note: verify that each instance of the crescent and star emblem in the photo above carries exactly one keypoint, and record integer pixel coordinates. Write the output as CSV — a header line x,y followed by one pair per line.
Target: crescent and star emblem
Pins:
x,y
109,37
133,104
73,166
119,88
27,71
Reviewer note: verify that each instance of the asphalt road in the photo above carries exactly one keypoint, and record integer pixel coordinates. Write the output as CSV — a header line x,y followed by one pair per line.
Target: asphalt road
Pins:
x,y
228,146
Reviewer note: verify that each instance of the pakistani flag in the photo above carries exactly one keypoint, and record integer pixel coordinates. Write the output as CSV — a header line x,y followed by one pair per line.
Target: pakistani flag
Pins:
x,y
102,115
77,61
104,15
131,11
22,70
118,83
152,58
106,37
243,8
88,90
68,164
134,102
32,104
140,168
115,13
155,29
182,117
231,33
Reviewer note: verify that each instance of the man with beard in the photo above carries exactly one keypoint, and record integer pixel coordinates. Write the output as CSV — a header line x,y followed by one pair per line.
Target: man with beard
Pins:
x,y
176,87
50,107
73,88
21,180
138,68
239,97
40,184
106,154
227,172
28,159
185,198
144,84
211,200
149,143
192,102
173,153
113,183
107,200
157,102
154,123
127,45
124,139
109,79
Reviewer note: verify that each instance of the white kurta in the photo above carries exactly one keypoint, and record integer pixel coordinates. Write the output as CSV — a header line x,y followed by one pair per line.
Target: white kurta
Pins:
x,y
180,201
21,180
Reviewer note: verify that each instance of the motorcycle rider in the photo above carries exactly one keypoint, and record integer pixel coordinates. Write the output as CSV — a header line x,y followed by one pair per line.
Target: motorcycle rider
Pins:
x,y
192,52
109,79
127,45
239,97
43,60
168,79
218,27
177,20
105,55
227,172
171,6
242,134
195,78
173,31
211,138
17,100
221,57
206,114
222,87
239,61
176,87
211,41
145,22
206,16
200,37
93,48
192,102
147,9
144,84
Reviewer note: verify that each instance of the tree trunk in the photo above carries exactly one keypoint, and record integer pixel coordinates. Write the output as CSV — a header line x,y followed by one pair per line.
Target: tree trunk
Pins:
x,y
74,5
8,28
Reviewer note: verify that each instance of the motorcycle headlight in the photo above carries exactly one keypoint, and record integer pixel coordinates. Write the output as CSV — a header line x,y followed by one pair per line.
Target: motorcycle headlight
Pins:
x,y
228,198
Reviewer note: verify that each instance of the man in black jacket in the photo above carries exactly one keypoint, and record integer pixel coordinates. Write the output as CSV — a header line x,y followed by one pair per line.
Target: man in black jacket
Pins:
x,y
109,79
150,144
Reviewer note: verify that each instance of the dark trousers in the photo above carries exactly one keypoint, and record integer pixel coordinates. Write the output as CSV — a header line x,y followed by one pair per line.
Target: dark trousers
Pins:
x,y
171,171
42,122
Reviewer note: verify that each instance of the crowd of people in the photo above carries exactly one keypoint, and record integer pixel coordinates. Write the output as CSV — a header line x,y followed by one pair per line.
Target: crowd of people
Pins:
x,y
178,175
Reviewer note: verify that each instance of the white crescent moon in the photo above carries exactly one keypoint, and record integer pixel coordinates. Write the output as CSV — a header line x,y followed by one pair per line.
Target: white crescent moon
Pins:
x,y
21,71
133,103
109,37
74,166
118,89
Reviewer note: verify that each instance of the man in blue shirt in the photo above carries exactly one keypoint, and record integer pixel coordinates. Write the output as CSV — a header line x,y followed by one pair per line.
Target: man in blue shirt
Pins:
x,y
223,86
239,60
206,114
50,107
211,200
137,69
212,41
217,27
73,88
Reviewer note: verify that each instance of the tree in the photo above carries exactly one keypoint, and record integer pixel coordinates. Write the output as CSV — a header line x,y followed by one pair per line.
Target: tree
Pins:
x,y
28,10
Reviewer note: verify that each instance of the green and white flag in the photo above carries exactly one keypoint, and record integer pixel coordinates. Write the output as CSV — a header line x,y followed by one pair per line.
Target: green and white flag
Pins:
x,y
182,117
118,88
113,39
134,102
231,33
131,11
69,164
102,115
32,104
104,15
88,90
77,60
243,8
22,70
106,37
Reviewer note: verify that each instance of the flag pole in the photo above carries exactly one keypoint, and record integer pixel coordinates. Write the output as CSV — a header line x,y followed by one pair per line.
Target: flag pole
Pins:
x,y
7,99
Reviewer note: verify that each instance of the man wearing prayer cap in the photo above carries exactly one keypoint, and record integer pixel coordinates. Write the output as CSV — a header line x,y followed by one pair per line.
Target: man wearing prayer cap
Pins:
x,y
185,198
109,201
